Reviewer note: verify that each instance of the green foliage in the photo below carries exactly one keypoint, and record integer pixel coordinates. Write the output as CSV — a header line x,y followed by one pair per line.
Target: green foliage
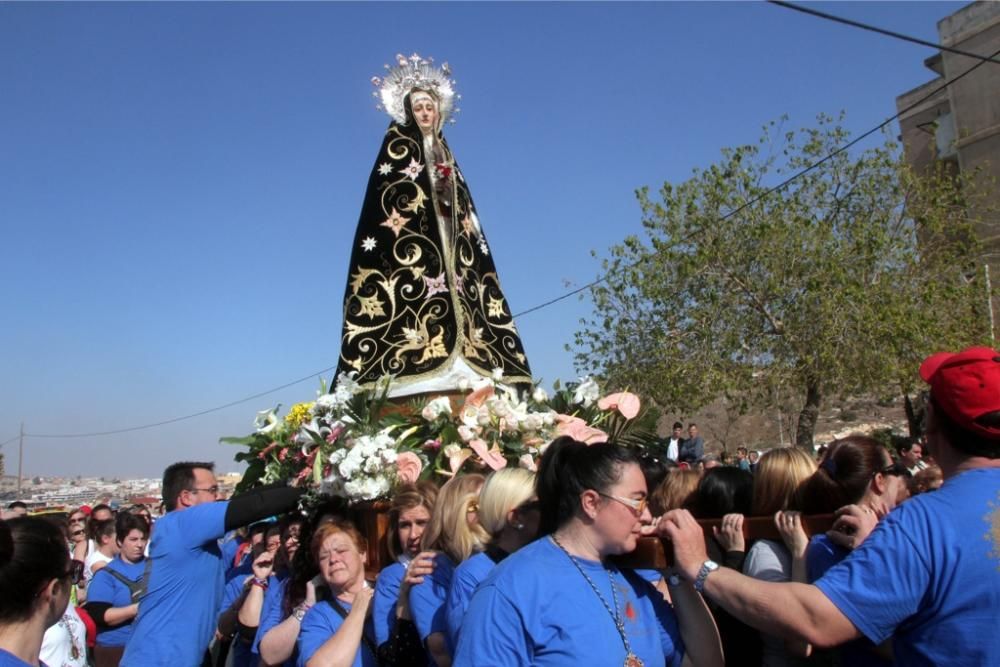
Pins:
x,y
837,284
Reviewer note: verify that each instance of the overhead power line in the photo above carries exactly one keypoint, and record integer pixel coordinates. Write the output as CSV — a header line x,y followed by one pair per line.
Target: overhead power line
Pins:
x,y
7,442
183,418
882,31
570,293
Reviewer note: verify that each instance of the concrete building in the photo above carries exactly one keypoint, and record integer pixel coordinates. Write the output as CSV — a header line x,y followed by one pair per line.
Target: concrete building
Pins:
x,y
960,125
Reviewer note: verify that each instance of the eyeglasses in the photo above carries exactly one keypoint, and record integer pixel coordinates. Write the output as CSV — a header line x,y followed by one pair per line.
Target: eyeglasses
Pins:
x,y
896,470
214,490
637,505
75,572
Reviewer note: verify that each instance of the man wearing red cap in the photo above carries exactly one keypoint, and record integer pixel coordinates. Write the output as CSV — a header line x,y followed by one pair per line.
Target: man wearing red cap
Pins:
x,y
929,574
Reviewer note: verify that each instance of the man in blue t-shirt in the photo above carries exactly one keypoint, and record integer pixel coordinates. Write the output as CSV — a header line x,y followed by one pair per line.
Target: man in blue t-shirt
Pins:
x,y
928,575
177,614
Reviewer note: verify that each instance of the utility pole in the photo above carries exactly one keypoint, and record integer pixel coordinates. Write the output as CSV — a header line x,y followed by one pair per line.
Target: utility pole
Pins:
x,y
20,461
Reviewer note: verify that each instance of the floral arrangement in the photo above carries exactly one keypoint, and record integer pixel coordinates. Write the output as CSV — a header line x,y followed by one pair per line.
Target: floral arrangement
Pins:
x,y
358,444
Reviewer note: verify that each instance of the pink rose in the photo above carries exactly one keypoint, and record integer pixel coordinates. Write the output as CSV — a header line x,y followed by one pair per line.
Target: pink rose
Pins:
x,y
627,403
578,429
408,467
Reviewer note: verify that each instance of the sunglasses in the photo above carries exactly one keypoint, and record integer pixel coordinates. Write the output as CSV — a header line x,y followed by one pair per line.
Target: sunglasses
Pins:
x,y
75,572
637,505
896,470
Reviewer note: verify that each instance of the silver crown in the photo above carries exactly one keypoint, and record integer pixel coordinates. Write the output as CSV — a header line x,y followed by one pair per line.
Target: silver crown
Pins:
x,y
410,73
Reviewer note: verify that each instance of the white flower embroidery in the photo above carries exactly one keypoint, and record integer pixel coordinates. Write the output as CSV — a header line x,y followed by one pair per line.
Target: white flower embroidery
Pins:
x,y
368,244
483,247
412,170
385,169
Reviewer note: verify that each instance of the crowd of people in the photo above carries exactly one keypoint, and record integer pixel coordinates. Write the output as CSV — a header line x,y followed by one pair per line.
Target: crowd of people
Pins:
x,y
522,568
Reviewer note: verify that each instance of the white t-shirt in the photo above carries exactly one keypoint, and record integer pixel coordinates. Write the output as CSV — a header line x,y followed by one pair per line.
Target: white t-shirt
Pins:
x,y
93,557
65,643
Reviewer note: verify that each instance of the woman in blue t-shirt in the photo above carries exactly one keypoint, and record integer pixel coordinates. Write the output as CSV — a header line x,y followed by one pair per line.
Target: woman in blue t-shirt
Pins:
x,y
454,532
508,511
561,601
113,594
36,577
338,630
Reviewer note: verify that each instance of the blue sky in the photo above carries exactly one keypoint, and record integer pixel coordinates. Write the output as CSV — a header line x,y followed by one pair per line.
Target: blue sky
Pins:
x,y
180,182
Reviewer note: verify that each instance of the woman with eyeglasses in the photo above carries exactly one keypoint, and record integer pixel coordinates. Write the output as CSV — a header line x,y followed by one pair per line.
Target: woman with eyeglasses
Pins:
x,y
562,601
508,511
455,533
79,545
36,577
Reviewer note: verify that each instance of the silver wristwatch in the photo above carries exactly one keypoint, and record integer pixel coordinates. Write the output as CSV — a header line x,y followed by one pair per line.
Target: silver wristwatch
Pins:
x,y
299,612
708,567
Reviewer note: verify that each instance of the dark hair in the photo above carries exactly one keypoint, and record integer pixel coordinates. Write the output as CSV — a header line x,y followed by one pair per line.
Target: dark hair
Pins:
x,y
17,505
568,468
408,496
303,567
843,474
99,529
722,491
692,424
126,522
678,425
964,440
180,477
32,552
742,450
100,508
654,469
905,444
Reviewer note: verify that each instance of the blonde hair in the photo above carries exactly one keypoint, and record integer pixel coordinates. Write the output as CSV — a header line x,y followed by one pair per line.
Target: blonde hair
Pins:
x,y
449,530
779,475
674,491
504,490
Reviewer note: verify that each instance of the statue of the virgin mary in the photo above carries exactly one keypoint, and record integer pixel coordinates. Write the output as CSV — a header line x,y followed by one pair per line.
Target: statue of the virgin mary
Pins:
x,y
423,302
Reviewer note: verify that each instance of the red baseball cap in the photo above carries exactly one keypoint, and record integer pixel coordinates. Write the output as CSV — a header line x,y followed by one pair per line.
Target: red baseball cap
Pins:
x,y
966,385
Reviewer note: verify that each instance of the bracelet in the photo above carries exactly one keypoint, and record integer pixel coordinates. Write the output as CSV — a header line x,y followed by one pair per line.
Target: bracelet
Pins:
x,y
262,583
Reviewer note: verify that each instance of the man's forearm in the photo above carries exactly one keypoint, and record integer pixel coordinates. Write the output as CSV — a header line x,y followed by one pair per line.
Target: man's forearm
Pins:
x,y
790,610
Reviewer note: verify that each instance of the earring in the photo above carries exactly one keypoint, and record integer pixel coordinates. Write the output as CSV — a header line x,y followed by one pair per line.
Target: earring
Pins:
x,y
518,526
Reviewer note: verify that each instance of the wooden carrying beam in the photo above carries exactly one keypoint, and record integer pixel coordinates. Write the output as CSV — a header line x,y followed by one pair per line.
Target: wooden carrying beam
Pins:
x,y
656,554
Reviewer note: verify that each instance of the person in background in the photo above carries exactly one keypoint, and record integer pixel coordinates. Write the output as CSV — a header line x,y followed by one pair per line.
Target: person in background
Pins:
x,y
113,598
742,459
455,533
102,533
36,577
911,455
928,479
177,614
509,513
693,448
674,442
674,492
77,528
239,613
16,509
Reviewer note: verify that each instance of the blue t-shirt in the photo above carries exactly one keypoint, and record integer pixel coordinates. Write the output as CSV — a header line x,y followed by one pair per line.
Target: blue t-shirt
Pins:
x,y
322,622
11,660
242,655
271,614
106,589
384,601
229,545
177,615
821,555
928,576
535,608
427,600
463,583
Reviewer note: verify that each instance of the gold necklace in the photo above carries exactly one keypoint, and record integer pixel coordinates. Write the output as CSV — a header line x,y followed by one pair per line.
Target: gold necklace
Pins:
x,y
631,659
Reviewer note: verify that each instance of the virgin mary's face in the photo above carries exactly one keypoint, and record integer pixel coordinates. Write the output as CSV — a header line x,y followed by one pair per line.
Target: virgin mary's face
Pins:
x,y
425,113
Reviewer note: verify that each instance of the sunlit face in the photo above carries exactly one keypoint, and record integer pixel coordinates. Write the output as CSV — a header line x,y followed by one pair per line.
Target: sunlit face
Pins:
x,y
617,523
102,515
204,490
412,524
425,113
292,539
693,431
912,457
340,563
678,432
133,546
